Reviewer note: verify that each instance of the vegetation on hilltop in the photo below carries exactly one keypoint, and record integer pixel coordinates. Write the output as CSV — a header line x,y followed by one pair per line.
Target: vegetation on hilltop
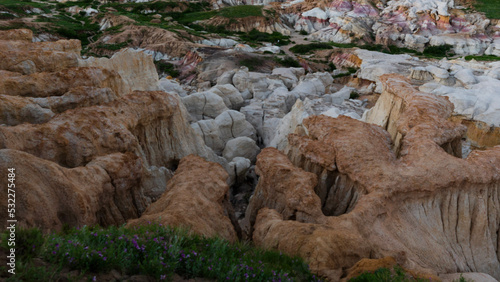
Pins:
x,y
429,52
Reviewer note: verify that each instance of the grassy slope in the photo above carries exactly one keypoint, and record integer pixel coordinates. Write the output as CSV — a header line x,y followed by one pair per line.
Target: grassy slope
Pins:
x,y
232,12
151,250
490,7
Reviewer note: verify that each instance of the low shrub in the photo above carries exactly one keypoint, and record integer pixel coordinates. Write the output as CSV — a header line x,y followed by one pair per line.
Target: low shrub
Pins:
x,y
483,58
354,95
251,63
306,48
256,36
167,68
438,51
287,62
113,47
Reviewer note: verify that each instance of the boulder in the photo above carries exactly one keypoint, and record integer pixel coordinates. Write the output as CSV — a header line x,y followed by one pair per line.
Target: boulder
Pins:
x,y
211,134
232,124
204,105
170,85
231,96
289,76
466,77
226,77
238,169
241,147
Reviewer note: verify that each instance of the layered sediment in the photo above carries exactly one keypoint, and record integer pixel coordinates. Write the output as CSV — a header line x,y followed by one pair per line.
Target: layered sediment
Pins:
x,y
408,193
90,145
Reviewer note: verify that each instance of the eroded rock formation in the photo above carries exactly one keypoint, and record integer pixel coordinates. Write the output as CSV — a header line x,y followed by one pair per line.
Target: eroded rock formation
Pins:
x,y
393,204
194,202
91,147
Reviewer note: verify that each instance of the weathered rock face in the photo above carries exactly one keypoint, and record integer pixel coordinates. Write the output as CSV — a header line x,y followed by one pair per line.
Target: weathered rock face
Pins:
x,y
19,54
135,68
162,44
247,24
414,24
392,112
92,148
285,188
45,84
469,85
433,212
104,191
194,202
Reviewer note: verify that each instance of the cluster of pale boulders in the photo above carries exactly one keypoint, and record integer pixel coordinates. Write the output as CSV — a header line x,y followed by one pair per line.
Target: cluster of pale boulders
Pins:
x,y
414,24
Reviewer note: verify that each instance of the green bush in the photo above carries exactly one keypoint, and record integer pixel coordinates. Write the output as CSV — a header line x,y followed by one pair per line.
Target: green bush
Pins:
x,y
112,47
167,68
257,36
438,51
341,75
287,62
28,242
352,70
6,16
353,95
303,32
241,11
332,66
483,58
306,48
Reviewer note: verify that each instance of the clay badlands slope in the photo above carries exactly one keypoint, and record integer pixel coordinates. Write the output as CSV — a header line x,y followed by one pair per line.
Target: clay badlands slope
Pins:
x,y
100,141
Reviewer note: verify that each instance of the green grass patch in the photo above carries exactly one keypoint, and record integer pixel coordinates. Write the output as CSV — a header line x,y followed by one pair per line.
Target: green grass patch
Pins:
x,y
113,47
82,3
156,251
350,70
483,58
287,62
490,7
78,28
167,68
242,11
275,38
21,6
438,51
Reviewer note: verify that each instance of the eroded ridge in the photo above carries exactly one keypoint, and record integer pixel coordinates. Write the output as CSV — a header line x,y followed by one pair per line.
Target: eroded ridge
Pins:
x,y
194,202
93,141
435,213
